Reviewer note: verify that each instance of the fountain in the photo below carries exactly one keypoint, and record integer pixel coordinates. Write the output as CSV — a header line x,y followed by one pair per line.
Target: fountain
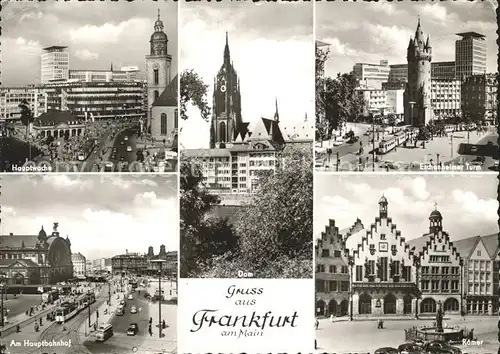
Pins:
x,y
437,331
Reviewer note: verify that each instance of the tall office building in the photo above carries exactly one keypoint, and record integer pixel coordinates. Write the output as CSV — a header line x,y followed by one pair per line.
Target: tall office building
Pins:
x,y
54,64
372,75
470,55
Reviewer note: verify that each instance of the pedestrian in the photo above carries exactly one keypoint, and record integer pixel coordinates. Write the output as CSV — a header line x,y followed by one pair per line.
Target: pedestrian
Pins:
x,y
316,324
163,324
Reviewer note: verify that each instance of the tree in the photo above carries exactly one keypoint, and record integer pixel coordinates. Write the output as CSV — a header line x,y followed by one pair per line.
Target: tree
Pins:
x,y
26,114
193,91
277,227
195,203
341,100
321,123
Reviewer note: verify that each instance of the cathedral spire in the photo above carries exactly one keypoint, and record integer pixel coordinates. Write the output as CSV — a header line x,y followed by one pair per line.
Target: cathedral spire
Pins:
x,y
158,14
111,66
226,50
276,113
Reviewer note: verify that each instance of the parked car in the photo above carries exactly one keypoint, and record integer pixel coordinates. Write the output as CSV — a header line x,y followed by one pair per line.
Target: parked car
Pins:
x,y
353,139
132,329
386,350
133,309
410,348
440,347
131,297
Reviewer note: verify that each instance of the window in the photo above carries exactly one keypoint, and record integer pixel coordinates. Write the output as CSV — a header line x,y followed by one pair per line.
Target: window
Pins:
x,y
425,285
478,253
382,236
176,119
156,76
337,254
325,253
359,273
435,270
454,285
157,94
435,285
333,269
163,124
344,286
344,270
425,270
320,268
445,285
445,270
332,285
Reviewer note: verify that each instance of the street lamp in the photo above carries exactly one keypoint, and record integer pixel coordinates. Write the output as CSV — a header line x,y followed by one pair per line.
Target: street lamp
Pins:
x,y
351,292
159,261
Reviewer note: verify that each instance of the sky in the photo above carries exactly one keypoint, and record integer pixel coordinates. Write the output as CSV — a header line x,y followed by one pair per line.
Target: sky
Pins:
x,y
96,33
270,46
367,33
103,215
468,203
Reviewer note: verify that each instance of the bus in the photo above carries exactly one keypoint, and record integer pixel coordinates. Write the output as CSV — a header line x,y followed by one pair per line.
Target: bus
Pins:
x,y
104,332
50,296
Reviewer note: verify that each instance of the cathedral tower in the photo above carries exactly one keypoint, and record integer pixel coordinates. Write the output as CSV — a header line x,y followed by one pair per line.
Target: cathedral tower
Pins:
x,y
226,112
158,64
418,109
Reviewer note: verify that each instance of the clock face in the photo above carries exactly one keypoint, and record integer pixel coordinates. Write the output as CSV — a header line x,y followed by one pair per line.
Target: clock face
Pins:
x,y
223,88
223,85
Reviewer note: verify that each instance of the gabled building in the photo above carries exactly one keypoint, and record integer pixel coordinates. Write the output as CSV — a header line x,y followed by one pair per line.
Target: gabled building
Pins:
x,y
440,269
384,276
332,273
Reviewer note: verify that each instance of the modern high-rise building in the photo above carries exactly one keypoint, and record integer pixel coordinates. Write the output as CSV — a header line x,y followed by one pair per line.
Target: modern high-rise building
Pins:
x,y
445,98
418,109
470,55
104,75
11,98
54,64
372,74
440,70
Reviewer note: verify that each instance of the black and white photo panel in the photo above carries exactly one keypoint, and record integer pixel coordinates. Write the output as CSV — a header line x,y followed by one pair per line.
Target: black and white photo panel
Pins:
x,y
410,87
89,86
246,176
89,264
406,263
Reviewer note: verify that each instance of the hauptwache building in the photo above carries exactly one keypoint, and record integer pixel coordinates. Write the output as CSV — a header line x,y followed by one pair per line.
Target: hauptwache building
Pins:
x,y
391,276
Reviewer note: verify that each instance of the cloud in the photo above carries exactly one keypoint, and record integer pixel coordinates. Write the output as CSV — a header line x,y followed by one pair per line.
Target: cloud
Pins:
x,y
86,54
435,12
65,182
464,203
108,32
7,211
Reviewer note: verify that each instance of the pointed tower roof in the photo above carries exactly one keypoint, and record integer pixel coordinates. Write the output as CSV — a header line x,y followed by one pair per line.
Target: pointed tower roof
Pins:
x,y
227,56
419,34
276,113
111,66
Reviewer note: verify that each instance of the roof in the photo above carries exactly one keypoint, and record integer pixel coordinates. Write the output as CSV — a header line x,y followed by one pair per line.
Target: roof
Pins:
x,y
419,242
320,44
471,34
55,47
491,244
56,117
168,97
16,241
28,263
466,245
200,153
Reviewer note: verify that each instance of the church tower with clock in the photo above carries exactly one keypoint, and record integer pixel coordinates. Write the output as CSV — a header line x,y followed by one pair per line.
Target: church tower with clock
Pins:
x,y
227,124
158,65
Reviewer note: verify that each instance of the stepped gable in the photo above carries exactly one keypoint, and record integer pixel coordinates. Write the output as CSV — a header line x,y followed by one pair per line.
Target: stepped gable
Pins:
x,y
436,240
355,228
331,237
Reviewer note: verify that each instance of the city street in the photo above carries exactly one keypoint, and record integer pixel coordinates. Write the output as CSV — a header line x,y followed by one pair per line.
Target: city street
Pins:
x,y
404,158
143,341
364,337
19,304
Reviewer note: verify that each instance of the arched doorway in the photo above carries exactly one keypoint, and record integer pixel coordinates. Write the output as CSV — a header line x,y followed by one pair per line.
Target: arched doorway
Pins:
x,y
332,307
389,304
344,307
428,306
451,305
18,279
320,308
365,304
407,304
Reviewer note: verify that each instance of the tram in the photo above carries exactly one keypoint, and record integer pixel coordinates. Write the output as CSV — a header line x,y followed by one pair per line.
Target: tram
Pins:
x,y
70,309
399,138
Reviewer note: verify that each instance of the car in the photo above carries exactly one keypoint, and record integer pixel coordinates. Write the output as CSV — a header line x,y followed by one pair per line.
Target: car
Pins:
x,y
129,148
147,295
125,138
353,139
131,297
132,329
122,158
119,311
410,348
337,143
133,309
115,149
123,303
386,350
122,142
440,347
